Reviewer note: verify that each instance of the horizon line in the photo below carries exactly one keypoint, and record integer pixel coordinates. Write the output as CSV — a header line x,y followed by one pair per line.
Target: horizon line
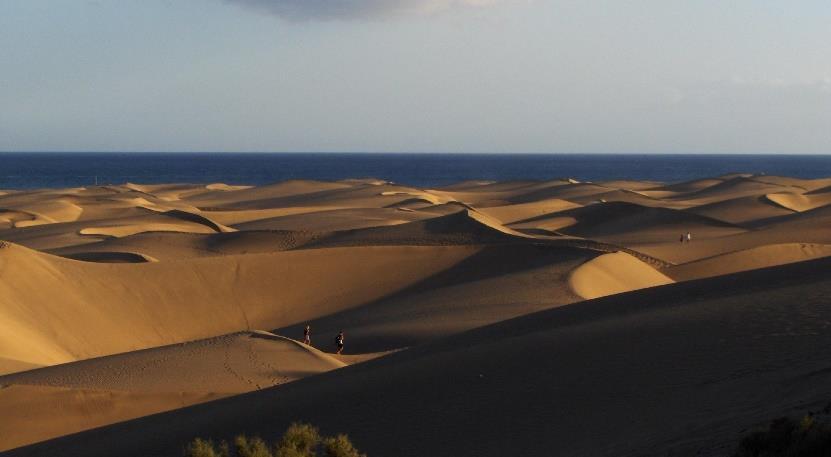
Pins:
x,y
417,153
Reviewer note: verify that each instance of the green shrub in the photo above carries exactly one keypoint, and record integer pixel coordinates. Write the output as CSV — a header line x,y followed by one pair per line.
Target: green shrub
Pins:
x,y
224,449
340,446
201,448
300,440
251,447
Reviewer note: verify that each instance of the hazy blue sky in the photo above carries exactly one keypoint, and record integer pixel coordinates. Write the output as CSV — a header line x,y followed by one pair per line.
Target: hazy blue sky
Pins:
x,y
416,75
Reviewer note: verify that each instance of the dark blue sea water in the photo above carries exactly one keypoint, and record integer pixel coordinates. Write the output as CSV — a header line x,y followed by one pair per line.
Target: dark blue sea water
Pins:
x,y
38,170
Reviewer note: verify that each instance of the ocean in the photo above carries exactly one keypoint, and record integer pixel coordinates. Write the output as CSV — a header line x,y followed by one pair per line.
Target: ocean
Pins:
x,y
45,170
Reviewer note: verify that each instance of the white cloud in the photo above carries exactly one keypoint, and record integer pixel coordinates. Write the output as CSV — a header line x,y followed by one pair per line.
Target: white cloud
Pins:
x,y
306,10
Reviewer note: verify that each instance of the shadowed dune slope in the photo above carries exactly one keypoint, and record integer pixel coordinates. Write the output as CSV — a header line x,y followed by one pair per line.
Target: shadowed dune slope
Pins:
x,y
34,413
809,227
459,228
103,256
496,283
227,364
687,187
111,389
700,362
799,185
121,301
389,296
735,187
67,310
626,222
748,259
522,211
168,221
248,197
338,219
743,210
177,246
308,194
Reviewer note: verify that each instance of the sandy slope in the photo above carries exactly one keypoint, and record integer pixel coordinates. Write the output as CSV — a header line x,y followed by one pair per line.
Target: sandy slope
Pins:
x,y
807,227
699,361
72,397
611,274
496,283
233,363
145,294
745,211
508,214
34,413
629,223
748,259
68,310
800,202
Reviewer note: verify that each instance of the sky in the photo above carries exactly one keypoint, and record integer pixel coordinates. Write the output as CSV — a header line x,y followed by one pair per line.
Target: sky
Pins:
x,y
555,76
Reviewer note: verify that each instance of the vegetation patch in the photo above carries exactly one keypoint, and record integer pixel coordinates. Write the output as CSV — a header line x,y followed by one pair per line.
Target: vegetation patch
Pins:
x,y
300,440
789,437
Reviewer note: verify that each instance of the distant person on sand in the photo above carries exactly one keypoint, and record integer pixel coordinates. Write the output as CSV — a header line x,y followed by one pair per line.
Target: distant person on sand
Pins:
x,y
683,238
307,335
339,341
689,237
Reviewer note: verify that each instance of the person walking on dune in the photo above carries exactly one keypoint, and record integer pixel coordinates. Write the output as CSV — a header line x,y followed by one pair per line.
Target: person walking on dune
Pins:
x,y
689,237
307,335
339,342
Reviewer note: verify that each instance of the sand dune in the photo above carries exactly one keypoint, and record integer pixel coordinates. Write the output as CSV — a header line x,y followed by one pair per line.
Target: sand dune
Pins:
x,y
334,220
158,245
168,221
807,227
564,191
800,185
132,229
481,302
240,197
239,362
306,194
458,228
628,223
800,202
173,192
68,310
110,257
179,246
11,365
611,274
508,214
745,211
425,196
34,413
513,192
37,208
740,186
565,379
496,283
10,218
629,184
749,259
235,217
106,390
